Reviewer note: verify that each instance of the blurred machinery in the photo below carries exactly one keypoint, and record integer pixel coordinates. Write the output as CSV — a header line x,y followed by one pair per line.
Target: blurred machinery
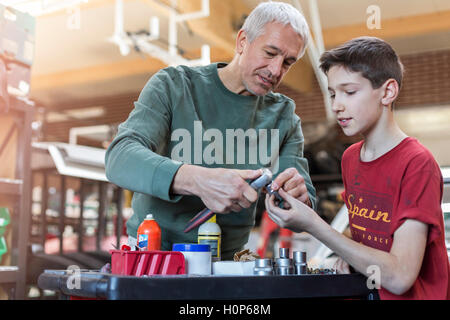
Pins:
x,y
17,31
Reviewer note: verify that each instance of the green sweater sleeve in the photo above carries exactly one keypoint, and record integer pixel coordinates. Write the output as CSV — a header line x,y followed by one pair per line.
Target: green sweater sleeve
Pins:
x,y
134,159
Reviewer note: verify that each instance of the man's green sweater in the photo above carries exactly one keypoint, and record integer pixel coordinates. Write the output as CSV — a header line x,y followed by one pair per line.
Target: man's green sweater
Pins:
x,y
187,115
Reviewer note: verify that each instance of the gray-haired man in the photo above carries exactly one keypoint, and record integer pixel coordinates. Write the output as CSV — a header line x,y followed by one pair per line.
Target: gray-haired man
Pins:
x,y
197,135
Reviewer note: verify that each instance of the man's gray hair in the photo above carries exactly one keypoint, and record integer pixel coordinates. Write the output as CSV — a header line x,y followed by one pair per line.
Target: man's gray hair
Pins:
x,y
280,12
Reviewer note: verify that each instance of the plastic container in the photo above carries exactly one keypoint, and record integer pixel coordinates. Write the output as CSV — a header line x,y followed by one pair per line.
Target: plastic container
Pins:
x,y
139,263
197,257
149,234
233,268
210,233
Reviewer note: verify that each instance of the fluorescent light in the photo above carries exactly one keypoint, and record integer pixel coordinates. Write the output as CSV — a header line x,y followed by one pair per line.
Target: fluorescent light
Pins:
x,y
86,113
76,114
42,7
446,207
445,172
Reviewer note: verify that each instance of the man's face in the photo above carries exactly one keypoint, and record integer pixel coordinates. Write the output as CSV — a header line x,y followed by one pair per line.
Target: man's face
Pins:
x,y
354,101
265,61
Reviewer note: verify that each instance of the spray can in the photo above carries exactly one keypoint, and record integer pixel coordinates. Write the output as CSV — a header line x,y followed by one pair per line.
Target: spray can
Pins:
x,y
149,234
210,233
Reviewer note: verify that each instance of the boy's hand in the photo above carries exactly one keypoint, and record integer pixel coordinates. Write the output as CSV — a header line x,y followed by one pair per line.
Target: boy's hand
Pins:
x,y
293,183
299,217
341,266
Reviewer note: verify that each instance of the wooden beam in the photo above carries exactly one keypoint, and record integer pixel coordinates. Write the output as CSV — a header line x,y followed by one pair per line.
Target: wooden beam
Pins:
x,y
219,28
111,71
391,28
95,74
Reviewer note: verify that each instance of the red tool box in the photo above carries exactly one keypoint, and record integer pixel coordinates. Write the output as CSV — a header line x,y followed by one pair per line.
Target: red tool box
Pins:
x,y
139,263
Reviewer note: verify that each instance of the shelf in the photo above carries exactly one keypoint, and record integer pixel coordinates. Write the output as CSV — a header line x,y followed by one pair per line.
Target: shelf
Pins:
x,y
21,105
326,178
10,187
67,220
8,274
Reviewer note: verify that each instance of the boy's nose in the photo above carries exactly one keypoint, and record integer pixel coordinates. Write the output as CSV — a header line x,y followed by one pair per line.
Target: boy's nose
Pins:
x,y
337,106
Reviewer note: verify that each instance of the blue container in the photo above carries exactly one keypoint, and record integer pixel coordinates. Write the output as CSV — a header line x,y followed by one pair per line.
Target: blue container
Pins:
x,y
192,247
197,257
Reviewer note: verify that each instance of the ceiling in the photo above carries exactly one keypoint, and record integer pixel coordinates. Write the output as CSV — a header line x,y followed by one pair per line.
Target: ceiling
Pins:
x,y
79,63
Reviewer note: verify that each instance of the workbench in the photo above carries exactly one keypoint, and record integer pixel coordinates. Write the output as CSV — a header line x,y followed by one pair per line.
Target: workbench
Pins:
x,y
94,284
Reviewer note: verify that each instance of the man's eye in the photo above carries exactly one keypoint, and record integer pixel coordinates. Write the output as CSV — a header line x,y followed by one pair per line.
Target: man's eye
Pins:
x,y
270,54
350,92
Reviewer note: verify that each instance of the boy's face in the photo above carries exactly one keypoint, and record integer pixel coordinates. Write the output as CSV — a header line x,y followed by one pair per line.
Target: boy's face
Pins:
x,y
265,61
356,104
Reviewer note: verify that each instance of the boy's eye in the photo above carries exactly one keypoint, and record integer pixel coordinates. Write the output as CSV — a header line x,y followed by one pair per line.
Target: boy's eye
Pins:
x,y
332,95
350,92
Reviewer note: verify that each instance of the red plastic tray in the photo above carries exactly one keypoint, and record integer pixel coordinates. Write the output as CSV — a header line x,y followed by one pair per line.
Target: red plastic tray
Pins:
x,y
139,263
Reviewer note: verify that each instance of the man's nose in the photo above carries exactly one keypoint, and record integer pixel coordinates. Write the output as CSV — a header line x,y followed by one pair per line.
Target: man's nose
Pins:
x,y
276,66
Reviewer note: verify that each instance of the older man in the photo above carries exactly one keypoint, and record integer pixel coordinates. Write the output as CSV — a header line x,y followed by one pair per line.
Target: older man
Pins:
x,y
198,135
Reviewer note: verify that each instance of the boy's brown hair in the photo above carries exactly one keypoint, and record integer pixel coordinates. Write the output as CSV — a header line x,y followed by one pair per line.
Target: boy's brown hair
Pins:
x,y
373,57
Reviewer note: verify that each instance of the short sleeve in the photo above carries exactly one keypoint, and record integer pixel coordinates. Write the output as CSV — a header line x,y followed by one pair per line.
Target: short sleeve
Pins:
x,y
421,196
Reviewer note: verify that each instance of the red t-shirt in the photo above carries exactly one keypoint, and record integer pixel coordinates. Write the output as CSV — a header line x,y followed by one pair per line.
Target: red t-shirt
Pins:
x,y
404,183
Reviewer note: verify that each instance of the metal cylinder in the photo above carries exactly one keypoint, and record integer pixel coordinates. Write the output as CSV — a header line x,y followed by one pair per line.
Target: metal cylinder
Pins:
x,y
284,253
300,264
263,267
283,266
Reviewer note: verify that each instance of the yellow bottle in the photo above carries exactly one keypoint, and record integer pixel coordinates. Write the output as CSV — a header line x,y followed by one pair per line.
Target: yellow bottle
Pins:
x,y
210,233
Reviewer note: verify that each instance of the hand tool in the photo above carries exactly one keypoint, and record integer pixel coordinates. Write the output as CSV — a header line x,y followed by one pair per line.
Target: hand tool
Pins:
x,y
263,181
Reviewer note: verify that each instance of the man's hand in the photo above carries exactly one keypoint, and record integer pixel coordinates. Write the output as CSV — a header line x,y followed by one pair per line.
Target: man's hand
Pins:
x,y
294,184
221,190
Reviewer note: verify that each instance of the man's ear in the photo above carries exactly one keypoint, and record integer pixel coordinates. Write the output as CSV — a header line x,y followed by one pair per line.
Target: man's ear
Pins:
x,y
390,92
241,41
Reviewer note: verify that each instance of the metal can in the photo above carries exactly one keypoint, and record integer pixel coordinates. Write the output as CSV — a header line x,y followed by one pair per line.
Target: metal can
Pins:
x,y
284,253
263,267
300,264
283,266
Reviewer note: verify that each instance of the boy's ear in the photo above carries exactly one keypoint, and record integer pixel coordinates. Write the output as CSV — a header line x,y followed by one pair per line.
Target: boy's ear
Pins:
x,y
391,91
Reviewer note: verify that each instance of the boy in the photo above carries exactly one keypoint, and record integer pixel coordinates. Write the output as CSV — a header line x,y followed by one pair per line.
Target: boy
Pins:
x,y
393,185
